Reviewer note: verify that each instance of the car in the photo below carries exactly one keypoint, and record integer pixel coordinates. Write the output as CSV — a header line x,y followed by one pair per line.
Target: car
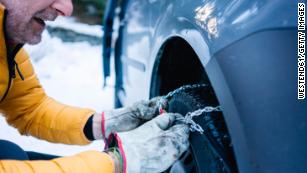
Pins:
x,y
240,56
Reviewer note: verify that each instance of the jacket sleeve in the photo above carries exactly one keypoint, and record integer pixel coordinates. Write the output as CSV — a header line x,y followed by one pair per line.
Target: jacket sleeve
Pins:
x,y
32,112
89,162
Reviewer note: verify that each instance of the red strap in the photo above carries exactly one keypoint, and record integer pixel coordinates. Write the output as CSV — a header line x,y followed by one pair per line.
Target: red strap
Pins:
x,y
161,111
103,130
121,150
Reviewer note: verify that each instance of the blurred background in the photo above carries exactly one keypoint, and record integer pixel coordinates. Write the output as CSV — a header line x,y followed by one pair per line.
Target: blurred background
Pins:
x,y
89,11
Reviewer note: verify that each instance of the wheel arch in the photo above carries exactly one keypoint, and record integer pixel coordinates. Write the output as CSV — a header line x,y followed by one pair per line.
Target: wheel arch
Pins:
x,y
173,61
176,56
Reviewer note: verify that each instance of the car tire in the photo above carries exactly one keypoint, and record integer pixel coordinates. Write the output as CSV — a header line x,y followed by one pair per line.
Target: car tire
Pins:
x,y
210,152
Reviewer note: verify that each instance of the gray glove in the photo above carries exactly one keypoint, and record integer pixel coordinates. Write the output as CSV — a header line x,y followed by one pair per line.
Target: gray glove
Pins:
x,y
156,145
124,119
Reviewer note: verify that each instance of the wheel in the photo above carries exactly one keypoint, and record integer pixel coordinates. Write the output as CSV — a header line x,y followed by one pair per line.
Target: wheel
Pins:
x,y
210,152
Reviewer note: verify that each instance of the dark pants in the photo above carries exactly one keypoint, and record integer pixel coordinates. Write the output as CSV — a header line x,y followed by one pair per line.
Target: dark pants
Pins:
x,y
9,150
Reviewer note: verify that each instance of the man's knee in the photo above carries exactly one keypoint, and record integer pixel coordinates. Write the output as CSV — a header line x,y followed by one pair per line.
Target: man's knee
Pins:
x,y
9,150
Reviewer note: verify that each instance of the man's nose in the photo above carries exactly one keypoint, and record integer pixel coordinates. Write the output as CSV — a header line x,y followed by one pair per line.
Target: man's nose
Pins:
x,y
64,7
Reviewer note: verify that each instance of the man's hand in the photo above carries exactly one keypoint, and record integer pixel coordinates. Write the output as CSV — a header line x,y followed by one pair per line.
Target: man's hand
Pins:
x,y
154,146
124,119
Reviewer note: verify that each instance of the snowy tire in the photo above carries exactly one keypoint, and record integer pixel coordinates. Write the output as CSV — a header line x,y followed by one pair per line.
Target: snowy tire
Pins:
x,y
210,152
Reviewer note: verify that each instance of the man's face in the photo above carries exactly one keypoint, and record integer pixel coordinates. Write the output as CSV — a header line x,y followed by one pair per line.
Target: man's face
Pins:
x,y
26,18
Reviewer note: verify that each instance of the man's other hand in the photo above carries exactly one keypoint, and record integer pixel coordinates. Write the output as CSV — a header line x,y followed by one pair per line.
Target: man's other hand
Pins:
x,y
154,146
124,119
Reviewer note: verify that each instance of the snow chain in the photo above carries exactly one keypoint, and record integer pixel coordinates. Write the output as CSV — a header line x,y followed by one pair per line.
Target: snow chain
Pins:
x,y
194,127
188,118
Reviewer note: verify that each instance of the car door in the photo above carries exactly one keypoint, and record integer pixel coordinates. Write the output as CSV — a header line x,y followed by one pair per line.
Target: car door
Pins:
x,y
135,52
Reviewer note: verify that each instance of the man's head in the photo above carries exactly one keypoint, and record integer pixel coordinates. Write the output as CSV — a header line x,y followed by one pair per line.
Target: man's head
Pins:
x,y
26,18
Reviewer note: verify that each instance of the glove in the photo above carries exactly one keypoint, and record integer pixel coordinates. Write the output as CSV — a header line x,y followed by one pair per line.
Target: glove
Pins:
x,y
152,147
124,119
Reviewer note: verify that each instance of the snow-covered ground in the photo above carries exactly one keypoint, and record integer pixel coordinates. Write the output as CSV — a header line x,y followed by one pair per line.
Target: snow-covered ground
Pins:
x,y
71,24
70,73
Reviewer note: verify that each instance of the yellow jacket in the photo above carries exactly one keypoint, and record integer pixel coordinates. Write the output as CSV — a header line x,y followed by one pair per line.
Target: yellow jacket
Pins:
x,y
32,112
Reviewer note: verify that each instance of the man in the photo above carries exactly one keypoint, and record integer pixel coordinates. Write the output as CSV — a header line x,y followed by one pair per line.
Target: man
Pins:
x,y
149,146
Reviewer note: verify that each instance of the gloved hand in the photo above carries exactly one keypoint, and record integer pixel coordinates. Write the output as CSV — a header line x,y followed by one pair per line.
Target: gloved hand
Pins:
x,y
124,119
152,147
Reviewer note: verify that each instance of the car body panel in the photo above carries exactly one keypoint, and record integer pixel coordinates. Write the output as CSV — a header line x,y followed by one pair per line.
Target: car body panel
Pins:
x,y
259,99
148,28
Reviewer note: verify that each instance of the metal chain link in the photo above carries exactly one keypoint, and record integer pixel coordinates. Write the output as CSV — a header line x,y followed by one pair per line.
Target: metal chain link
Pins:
x,y
188,118
183,88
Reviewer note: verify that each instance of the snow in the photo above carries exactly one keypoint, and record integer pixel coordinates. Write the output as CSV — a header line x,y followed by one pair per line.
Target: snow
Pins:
x,y
72,74
71,24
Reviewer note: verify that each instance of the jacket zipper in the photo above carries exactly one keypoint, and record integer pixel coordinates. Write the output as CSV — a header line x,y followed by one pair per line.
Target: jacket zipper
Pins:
x,y
10,60
11,66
